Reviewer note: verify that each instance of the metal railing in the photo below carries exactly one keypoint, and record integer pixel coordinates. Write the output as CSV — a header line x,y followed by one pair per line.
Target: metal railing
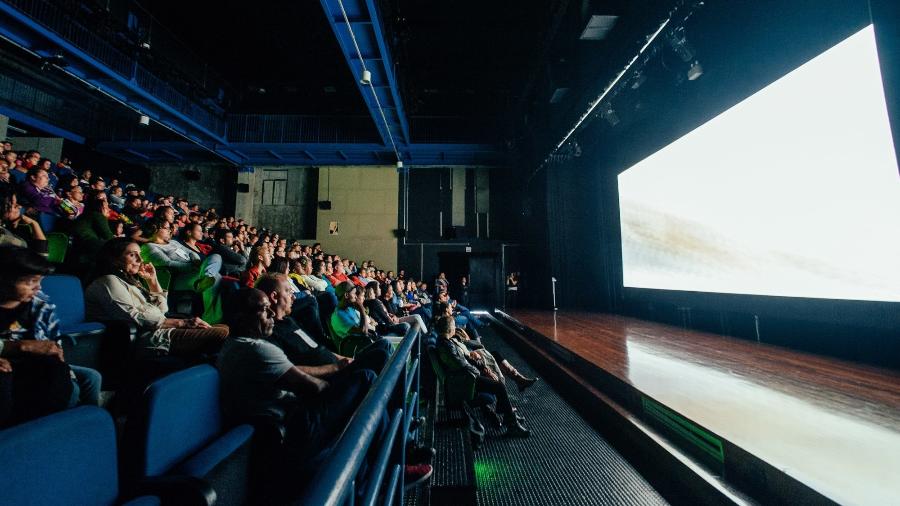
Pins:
x,y
60,22
394,394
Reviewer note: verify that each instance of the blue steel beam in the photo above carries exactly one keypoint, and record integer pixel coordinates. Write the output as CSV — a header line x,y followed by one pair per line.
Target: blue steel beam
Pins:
x,y
260,154
21,29
369,34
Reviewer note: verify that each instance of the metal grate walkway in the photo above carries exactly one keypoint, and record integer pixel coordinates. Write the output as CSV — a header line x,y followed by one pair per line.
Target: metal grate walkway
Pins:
x,y
564,462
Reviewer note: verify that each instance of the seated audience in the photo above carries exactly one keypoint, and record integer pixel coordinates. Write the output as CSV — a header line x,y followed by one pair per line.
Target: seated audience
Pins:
x,y
189,270
301,348
38,195
460,361
260,258
29,334
13,224
259,382
386,323
231,251
119,294
442,309
91,230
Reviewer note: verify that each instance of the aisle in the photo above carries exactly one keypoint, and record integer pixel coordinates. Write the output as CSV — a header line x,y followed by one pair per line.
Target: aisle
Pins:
x,y
564,462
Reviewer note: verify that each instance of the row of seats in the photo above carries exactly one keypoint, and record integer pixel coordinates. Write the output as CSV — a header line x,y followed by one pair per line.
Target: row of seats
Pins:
x,y
176,449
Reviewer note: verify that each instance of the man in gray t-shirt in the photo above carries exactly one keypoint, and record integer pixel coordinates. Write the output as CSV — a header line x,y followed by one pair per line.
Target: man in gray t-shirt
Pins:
x,y
259,381
250,370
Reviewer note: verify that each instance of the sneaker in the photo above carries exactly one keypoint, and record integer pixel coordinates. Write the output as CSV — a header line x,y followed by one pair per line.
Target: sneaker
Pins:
x,y
419,454
415,474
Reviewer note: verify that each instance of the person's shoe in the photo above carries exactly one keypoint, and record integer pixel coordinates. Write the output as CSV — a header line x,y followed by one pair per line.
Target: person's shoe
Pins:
x,y
204,283
416,474
494,417
419,454
520,379
514,428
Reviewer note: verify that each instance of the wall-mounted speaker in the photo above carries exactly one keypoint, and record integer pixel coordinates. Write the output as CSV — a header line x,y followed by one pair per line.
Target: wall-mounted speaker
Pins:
x,y
192,175
399,233
325,205
243,188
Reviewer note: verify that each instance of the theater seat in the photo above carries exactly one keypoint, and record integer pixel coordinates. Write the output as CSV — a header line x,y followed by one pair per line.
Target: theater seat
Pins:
x,y
65,458
178,431
459,392
66,294
57,247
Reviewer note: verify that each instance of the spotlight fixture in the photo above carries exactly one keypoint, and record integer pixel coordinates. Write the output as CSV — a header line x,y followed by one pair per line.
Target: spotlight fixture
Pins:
x,y
638,79
145,45
144,120
366,77
399,164
681,46
695,71
610,116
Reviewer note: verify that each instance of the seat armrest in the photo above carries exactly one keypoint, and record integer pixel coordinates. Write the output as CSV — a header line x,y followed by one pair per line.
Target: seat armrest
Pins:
x,y
175,490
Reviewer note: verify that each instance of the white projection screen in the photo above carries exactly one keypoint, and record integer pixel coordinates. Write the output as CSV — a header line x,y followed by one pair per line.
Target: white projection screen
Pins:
x,y
792,192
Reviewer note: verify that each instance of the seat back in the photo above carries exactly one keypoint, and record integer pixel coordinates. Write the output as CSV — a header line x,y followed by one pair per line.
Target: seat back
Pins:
x,y
66,292
57,246
458,388
180,414
65,458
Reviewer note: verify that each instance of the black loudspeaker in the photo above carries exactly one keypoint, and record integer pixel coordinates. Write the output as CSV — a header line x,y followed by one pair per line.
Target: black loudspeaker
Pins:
x,y
399,233
192,175
325,205
243,188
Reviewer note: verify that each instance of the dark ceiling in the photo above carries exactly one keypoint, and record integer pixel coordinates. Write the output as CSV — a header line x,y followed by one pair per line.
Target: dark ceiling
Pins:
x,y
471,59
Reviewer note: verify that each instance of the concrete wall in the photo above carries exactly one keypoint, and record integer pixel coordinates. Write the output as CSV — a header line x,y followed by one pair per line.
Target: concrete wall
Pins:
x,y
365,204
295,218
50,147
215,188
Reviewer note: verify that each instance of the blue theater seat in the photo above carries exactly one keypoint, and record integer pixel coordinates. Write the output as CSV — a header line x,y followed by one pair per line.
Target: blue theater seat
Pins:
x,y
83,346
179,431
65,458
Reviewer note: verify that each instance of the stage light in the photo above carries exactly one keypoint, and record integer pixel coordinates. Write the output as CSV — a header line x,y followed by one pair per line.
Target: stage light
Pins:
x,y
638,80
144,120
695,71
366,77
610,116
680,45
399,164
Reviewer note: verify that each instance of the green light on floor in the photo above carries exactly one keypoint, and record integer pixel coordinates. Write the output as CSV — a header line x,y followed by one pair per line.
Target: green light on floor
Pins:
x,y
487,471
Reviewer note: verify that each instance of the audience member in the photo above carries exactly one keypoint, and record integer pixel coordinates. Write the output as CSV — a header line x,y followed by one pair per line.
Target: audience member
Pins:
x,y
29,334
118,293
460,362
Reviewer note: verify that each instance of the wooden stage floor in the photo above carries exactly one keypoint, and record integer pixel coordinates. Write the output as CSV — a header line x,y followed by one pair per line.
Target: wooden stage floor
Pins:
x,y
830,424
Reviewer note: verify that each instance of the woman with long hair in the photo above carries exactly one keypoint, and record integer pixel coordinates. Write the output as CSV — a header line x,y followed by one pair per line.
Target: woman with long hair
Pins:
x,y
118,293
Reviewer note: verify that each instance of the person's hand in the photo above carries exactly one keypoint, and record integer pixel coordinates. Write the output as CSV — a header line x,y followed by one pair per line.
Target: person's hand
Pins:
x,y
48,348
474,355
343,362
194,323
453,303
147,271
319,385
491,375
5,365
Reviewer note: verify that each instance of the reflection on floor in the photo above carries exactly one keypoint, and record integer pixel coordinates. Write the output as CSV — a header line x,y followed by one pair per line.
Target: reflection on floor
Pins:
x,y
564,462
832,425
